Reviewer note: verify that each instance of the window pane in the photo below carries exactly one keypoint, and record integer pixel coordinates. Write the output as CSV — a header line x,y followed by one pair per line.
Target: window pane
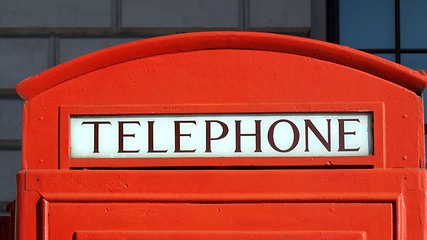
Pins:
x,y
413,19
367,24
415,60
388,56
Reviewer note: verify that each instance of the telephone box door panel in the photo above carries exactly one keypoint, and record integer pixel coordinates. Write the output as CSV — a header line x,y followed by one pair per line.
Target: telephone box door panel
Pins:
x,y
227,221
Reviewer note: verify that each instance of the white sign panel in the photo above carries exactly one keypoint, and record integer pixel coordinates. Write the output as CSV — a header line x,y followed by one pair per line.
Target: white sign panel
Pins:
x,y
221,135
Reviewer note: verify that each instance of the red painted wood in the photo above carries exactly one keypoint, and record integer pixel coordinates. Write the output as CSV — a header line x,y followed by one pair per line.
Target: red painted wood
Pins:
x,y
381,196
258,78
382,203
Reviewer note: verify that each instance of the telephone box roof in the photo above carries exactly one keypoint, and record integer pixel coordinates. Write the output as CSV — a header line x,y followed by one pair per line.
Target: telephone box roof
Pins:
x,y
398,74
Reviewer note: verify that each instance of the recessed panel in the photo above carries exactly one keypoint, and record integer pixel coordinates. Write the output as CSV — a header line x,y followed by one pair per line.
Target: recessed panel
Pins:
x,y
228,220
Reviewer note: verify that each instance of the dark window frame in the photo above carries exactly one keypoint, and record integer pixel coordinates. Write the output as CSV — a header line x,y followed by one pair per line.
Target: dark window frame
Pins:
x,y
333,34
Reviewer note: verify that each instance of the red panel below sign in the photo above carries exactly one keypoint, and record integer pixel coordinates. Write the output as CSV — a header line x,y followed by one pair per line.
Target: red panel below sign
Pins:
x,y
374,219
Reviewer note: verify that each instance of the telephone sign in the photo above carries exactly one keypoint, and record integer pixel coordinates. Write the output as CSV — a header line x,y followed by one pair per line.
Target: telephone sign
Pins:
x,y
249,135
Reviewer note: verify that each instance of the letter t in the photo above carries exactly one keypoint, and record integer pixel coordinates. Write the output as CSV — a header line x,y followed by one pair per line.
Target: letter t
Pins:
x,y
96,134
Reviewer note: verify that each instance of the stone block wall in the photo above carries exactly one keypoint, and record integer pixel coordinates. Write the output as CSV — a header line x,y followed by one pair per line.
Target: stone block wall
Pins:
x,y
39,34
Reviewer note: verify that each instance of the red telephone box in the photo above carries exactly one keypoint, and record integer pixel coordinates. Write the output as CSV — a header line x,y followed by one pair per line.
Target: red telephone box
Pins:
x,y
223,135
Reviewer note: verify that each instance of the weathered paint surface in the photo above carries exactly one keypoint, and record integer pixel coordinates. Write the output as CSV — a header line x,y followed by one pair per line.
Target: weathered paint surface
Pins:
x,y
378,196
380,204
225,73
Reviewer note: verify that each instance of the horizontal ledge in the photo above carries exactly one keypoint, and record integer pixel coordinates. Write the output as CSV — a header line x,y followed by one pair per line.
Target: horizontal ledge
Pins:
x,y
6,144
8,93
230,198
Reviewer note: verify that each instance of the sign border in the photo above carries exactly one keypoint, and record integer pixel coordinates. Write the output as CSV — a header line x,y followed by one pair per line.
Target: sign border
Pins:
x,y
376,160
